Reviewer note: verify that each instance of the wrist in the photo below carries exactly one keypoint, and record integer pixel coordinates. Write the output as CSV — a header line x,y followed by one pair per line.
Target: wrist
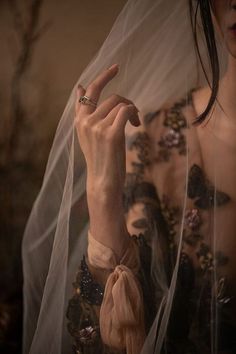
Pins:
x,y
104,189
108,223
104,198
108,211
114,236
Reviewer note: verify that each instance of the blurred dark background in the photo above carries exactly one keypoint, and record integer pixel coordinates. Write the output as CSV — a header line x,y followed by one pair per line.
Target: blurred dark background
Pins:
x,y
44,46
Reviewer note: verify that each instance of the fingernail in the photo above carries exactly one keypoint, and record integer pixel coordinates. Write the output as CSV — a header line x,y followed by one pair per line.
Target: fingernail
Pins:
x,y
113,66
139,121
136,121
135,108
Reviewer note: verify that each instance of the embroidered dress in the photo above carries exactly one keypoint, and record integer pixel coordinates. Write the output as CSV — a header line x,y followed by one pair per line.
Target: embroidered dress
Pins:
x,y
153,199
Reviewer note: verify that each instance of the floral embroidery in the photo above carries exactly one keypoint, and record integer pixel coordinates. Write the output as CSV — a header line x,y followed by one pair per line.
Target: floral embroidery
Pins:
x,y
135,191
202,191
88,335
192,239
205,257
165,216
193,288
175,119
141,143
193,219
171,139
171,216
174,137
83,324
192,222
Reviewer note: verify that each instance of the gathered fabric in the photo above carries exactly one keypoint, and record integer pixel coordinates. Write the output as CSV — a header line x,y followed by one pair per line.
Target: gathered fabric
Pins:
x,y
178,200
122,311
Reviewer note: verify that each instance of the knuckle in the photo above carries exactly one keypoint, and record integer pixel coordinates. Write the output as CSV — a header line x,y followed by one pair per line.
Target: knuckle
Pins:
x,y
124,109
114,134
120,99
98,130
85,124
121,105
93,87
110,136
116,97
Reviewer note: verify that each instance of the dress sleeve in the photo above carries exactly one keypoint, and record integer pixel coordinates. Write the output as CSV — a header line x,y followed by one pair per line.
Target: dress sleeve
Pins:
x,y
141,202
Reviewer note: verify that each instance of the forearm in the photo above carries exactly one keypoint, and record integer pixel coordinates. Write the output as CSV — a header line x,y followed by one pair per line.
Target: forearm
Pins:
x,y
107,220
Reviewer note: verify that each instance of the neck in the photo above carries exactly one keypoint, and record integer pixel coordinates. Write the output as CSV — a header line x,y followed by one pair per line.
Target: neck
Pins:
x,y
227,90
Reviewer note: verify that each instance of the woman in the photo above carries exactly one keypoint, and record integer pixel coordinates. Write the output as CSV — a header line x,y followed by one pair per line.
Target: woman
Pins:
x,y
171,287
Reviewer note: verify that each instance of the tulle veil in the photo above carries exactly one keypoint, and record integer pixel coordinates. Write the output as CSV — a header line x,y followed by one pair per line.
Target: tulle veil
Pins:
x,y
152,42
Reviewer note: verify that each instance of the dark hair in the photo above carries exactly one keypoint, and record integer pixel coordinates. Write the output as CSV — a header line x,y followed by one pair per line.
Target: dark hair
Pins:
x,y
205,11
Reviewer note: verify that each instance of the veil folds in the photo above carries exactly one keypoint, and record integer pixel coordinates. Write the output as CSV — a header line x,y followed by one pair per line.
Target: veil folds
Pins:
x,y
152,42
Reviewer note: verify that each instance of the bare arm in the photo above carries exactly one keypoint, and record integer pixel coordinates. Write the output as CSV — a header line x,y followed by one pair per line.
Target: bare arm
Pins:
x,y
102,139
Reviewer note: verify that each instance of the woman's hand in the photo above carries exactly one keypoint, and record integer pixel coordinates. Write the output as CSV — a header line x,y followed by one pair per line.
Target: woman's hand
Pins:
x,y
101,132
101,135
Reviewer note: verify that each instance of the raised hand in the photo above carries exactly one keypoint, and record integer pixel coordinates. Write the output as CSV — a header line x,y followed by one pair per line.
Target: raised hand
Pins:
x,y
101,132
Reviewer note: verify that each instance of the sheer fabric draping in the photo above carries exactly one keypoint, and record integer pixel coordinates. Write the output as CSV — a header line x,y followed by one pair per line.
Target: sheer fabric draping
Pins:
x,y
152,42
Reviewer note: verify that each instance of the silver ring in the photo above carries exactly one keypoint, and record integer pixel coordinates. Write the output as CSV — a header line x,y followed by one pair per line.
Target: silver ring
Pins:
x,y
87,101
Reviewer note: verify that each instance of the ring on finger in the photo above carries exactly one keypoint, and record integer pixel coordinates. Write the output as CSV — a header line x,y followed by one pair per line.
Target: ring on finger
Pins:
x,y
87,101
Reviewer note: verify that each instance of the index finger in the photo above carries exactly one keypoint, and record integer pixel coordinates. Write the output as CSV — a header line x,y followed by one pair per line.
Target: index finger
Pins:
x,y
95,87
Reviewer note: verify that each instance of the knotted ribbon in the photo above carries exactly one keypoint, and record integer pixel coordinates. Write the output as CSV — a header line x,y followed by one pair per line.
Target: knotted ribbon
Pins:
x,y
121,313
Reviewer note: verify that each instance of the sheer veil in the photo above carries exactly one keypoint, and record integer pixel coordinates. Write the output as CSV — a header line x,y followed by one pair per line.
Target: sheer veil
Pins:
x,y
152,42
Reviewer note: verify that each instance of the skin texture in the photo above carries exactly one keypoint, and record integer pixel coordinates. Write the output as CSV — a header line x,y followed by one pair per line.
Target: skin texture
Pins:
x,y
217,136
101,133
102,139
224,16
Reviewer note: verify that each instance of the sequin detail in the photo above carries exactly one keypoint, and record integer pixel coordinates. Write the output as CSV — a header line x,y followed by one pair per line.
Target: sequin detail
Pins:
x,y
159,222
90,290
171,139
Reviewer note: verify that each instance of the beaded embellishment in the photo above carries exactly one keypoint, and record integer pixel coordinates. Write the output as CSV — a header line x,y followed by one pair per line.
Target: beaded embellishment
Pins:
x,y
90,290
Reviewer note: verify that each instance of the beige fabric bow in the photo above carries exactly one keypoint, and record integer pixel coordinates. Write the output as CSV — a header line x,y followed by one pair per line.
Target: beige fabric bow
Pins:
x,y
121,313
